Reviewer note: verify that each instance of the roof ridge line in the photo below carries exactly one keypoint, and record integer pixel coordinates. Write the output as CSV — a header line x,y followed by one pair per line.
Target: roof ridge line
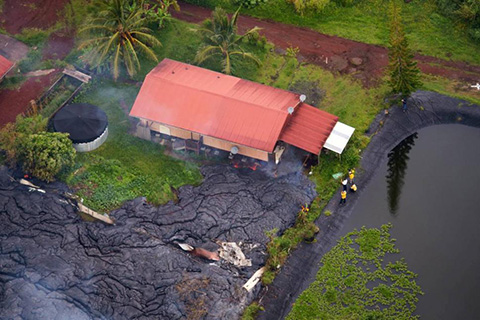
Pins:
x,y
236,99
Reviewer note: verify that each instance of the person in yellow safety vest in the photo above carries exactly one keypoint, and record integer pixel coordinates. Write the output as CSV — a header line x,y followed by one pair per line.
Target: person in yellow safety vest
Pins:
x,y
353,188
343,196
351,175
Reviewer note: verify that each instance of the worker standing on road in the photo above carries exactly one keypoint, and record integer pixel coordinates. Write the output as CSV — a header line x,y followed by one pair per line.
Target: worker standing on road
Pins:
x,y
344,184
353,188
343,197
404,104
351,175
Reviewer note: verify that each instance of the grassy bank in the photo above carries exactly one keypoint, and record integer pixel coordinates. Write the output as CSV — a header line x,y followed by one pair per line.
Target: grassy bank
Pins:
x,y
451,88
367,21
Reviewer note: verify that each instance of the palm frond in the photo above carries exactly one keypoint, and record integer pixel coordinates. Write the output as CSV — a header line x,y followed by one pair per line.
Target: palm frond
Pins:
x,y
253,30
87,42
147,38
132,51
116,67
247,55
206,52
147,51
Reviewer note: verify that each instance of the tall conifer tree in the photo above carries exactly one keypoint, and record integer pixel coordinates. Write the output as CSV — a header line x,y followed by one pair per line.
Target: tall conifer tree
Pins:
x,y
403,70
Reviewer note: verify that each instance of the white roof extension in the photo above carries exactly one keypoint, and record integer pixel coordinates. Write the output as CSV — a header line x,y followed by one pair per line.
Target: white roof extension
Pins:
x,y
339,137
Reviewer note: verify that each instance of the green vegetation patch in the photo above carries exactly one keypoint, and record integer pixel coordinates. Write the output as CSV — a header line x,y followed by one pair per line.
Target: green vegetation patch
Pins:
x,y
429,32
125,167
355,281
251,311
180,42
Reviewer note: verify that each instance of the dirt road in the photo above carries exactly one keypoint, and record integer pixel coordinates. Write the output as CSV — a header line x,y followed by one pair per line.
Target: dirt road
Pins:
x,y
364,61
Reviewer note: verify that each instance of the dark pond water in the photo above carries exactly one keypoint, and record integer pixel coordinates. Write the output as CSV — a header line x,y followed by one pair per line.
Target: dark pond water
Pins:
x,y
429,189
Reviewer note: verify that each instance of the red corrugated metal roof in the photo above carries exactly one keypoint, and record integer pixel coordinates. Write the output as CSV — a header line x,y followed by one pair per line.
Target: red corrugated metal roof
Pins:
x,y
5,66
218,105
308,128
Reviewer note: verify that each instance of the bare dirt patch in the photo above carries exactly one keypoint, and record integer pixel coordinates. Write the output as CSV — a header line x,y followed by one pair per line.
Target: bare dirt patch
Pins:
x,y
364,61
16,101
58,46
19,14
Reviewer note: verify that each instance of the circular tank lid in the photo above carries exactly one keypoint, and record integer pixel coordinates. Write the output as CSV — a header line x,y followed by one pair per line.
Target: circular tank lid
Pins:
x,y
84,122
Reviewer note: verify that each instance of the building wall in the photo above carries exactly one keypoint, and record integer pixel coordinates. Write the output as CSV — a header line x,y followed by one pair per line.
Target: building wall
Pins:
x,y
208,141
243,150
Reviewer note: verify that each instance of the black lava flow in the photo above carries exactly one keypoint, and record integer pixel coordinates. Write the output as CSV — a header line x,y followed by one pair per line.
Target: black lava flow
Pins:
x,y
54,265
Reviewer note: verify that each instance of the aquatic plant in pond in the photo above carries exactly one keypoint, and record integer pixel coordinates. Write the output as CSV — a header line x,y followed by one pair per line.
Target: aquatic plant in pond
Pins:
x,y
355,282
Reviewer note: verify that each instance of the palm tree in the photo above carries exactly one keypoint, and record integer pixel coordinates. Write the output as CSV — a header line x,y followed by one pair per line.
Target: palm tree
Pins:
x,y
221,39
118,34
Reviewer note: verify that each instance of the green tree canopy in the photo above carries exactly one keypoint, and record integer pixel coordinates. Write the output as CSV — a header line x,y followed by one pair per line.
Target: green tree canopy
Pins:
x,y
45,154
117,34
402,68
220,39
13,134
42,154
355,282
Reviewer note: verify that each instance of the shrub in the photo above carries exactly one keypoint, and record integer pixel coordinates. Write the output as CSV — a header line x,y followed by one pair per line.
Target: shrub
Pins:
x,y
45,154
42,154
31,62
251,311
249,3
12,135
278,248
301,6
33,36
13,82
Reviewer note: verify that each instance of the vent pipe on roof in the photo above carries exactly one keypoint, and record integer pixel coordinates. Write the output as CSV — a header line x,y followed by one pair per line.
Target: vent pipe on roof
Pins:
x,y
301,99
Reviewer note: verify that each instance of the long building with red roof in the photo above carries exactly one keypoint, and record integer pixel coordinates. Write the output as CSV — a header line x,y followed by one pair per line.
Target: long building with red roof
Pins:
x,y
232,114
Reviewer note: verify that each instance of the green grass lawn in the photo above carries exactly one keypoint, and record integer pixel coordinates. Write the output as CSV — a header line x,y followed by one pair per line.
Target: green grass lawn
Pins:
x,y
367,21
125,167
